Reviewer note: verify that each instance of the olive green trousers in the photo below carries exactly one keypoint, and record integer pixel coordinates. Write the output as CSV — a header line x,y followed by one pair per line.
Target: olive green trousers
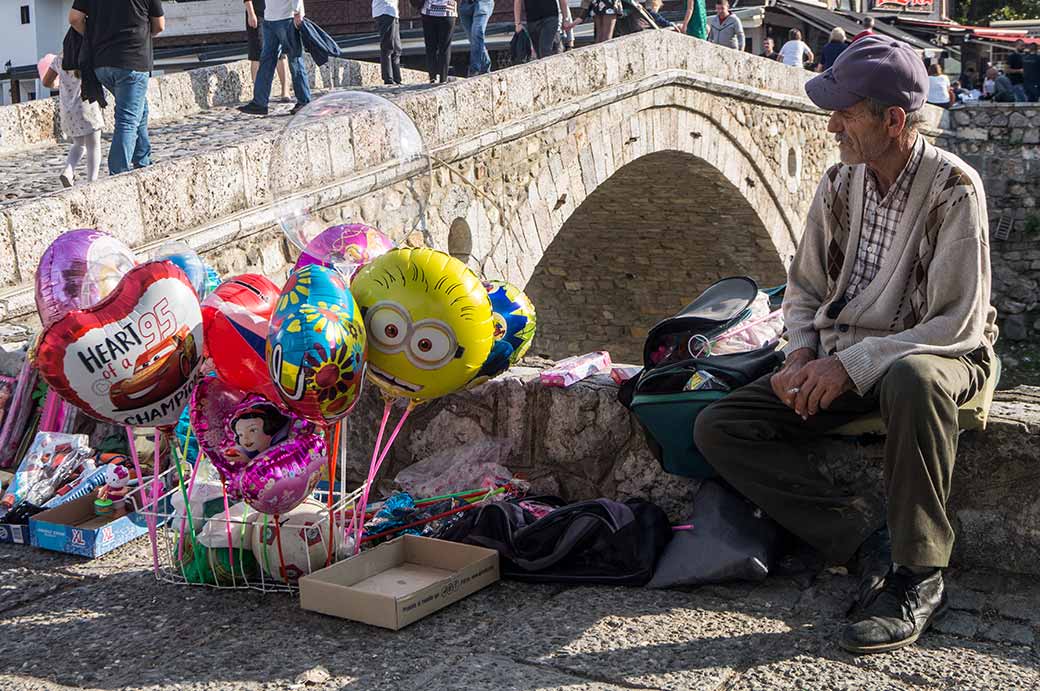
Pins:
x,y
761,447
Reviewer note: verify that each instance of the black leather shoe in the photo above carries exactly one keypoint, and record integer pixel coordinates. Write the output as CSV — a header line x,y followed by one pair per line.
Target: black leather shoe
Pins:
x,y
252,109
903,610
872,563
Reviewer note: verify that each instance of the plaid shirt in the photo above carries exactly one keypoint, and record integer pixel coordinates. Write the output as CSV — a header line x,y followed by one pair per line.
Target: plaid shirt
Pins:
x,y
880,221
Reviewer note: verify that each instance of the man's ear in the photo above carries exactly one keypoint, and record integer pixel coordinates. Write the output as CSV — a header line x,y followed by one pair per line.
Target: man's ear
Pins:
x,y
895,120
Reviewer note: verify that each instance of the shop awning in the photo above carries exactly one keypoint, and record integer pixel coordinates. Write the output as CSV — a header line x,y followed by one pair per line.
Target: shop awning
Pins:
x,y
977,33
825,20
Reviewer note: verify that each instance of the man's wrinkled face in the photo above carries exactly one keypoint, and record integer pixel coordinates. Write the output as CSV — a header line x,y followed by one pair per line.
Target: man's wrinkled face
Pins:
x,y
860,135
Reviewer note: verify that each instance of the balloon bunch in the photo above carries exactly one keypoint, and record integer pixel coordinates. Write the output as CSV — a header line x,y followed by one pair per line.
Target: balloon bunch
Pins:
x,y
122,341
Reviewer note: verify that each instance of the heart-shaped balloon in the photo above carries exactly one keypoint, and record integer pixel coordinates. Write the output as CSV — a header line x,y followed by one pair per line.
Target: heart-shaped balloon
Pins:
x,y
133,358
236,317
266,456
283,477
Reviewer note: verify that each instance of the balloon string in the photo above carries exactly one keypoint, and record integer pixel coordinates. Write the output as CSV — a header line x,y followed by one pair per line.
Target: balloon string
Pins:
x,y
154,492
357,522
191,486
141,488
187,510
278,541
374,469
332,441
227,528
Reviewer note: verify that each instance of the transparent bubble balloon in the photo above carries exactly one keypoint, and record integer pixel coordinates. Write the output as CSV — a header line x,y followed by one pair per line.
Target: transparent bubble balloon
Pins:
x,y
349,157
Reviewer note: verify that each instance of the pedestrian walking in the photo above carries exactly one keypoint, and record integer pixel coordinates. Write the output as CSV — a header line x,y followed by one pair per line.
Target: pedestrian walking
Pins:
x,y
725,28
544,23
120,38
695,21
604,13
474,15
769,50
868,29
1015,71
388,22
81,122
1031,73
255,44
281,30
835,46
438,23
795,53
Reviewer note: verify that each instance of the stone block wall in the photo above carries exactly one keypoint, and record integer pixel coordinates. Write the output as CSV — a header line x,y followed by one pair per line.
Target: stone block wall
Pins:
x,y
639,248
1002,142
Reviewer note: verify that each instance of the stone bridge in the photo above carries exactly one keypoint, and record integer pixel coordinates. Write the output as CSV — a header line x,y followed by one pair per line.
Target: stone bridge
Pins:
x,y
614,181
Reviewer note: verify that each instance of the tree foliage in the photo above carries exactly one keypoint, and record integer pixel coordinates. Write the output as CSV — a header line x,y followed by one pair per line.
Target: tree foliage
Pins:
x,y
977,12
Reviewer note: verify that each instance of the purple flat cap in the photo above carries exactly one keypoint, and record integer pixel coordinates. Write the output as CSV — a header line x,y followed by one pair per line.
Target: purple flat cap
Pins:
x,y
875,67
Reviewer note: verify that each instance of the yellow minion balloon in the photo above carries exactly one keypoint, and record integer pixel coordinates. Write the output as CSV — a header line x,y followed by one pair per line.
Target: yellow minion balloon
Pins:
x,y
429,322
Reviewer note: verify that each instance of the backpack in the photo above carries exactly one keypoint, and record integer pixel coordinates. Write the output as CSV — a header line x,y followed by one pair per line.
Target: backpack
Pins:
x,y
521,48
597,541
659,397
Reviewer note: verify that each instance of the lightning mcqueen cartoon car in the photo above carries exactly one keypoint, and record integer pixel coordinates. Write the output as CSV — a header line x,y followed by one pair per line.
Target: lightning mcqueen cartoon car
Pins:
x,y
157,373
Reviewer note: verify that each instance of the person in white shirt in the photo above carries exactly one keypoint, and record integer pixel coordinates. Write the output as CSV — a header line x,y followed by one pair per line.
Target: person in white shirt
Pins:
x,y
940,93
281,27
388,23
795,53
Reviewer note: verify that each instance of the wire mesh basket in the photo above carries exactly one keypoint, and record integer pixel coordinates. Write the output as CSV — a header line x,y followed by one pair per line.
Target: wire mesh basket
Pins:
x,y
240,548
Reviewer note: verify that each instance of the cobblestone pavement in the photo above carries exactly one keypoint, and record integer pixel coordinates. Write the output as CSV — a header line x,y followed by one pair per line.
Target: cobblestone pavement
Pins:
x,y
34,172
107,624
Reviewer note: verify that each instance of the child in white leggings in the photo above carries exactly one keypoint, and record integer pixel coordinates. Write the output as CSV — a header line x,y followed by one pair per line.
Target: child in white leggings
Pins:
x,y
81,122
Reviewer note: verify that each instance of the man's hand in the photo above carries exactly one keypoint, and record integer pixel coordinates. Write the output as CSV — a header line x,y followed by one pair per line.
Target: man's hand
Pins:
x,y
816,385
251,20
297,19
517,27
783,381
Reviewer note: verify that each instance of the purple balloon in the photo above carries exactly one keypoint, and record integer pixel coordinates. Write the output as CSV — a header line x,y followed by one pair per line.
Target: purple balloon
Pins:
x,y
345,248
77,271
281,478
265,454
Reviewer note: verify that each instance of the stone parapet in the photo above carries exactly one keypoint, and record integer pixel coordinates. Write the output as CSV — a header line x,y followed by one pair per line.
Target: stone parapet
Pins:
x,y
580,443
1002,142
178,95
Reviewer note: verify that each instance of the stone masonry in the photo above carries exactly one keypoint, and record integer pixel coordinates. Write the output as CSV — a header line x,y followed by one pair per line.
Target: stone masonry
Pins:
x,y
1002,142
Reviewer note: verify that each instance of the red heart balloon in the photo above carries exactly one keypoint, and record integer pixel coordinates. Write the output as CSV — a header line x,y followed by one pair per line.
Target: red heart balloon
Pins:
x,y
133,358
235,320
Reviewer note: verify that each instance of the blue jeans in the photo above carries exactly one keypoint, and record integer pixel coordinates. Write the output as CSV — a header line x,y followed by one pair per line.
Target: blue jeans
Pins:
x,y
130,145
474,15
1020,92
281,34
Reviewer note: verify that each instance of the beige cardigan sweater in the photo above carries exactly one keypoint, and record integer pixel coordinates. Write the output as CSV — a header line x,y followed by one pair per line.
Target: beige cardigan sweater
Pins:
x,y
932,292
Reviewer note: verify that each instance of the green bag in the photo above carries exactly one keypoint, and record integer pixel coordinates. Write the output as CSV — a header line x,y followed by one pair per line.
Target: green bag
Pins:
x,y
667,420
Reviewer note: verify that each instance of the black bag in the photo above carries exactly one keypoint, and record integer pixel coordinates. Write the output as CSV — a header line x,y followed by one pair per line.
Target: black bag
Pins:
x,y
731,540
521,48
658,395
597,541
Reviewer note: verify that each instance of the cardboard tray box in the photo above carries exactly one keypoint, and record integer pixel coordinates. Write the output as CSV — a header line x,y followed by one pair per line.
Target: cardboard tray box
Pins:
x,y
399,582
73,528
